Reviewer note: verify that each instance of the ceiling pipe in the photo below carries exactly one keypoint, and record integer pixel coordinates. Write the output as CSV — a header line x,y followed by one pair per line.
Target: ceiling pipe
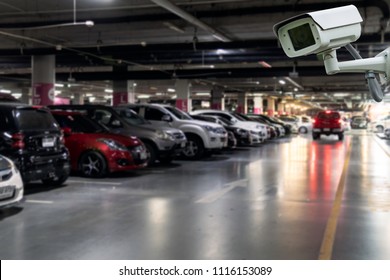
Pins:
x,y
191,19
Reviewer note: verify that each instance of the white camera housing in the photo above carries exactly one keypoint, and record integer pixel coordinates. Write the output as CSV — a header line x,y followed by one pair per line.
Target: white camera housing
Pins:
x,y
319,31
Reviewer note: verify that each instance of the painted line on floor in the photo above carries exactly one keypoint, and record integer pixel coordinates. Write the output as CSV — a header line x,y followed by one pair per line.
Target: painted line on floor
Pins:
x,y
214,196
94,182
39,201
384,148
331,226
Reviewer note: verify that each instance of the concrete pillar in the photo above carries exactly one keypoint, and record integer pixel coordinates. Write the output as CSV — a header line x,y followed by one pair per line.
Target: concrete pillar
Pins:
x,y
183,101
78,98
271,107
43,79
242,106
123,91
257,105
26,96
217,98
288,109
281,108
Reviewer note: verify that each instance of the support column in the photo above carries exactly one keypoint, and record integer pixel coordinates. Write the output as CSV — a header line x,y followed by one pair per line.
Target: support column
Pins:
x,y
26,96
217,98
281,108
271,107
123,91
183,101
242,106
257,105
43,79
78,98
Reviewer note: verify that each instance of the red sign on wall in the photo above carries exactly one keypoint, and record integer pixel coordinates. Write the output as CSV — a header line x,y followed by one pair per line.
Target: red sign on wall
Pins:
x,y
182,104
120,98
43,94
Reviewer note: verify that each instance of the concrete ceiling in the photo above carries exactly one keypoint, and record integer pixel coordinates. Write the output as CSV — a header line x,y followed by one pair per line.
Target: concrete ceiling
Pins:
x,y
221,42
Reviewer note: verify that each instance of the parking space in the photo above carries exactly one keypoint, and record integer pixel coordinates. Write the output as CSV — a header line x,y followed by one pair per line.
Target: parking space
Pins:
x,y
268,202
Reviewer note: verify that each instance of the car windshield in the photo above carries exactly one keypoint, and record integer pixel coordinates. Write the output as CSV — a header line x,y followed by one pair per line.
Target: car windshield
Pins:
x,y
238,117
326,115
132,117
79,123
35,119
179,114
225,121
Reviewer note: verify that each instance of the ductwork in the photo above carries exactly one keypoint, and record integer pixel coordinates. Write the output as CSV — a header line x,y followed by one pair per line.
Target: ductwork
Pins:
x,y
191,19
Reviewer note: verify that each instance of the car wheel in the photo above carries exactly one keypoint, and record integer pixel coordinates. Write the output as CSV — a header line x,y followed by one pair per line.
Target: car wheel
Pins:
x,y
151,153
303,130
57,181
316,136
194,148
93,164
341,136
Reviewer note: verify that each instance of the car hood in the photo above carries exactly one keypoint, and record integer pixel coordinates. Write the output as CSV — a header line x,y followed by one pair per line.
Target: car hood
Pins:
x,y
166,129
250,125
201,123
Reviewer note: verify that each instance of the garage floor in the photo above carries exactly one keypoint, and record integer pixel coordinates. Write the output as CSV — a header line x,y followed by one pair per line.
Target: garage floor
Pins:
x,y
282,200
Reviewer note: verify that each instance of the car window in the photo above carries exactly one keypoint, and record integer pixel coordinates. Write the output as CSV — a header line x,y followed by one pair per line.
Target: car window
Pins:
x,y
153,114
131,117
35,119
179,114
106,118
6,122
324,115
78,123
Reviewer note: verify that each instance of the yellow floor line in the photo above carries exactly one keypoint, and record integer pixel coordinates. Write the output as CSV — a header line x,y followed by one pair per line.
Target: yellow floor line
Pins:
x,y
331,226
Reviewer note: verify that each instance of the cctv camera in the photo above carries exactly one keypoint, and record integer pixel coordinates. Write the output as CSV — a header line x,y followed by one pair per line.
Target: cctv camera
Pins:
x,y
319,31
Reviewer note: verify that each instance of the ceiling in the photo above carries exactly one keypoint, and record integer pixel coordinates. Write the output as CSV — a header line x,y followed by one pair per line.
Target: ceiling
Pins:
x,y
211,43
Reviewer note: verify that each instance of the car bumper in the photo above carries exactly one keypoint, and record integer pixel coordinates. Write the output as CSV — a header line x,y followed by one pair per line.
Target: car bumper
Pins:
x,y
126,160
328,131
11,191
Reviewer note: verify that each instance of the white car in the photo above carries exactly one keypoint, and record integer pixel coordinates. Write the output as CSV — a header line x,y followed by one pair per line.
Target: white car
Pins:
x,y
379,125
11,184
258,131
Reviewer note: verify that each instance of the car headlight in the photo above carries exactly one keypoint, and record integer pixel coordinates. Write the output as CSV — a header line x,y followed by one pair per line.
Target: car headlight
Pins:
x,y
112,144
209,128
242,132
164,136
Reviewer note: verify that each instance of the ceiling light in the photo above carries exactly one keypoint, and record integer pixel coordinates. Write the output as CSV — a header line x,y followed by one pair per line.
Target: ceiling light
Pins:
x,y
159,93
202,93
143,96
282,82
89,95
16,94
57,92
171,90
5,91
59,85
108,90
174,96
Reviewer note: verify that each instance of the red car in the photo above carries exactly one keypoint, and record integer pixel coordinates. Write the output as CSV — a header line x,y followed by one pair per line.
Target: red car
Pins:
x,y
328,122
94,151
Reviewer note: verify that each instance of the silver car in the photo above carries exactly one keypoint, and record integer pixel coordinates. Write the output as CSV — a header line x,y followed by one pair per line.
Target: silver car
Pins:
x,y
11,184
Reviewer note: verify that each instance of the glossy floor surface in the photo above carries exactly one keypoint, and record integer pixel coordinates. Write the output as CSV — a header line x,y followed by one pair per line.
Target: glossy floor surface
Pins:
x,y
291,198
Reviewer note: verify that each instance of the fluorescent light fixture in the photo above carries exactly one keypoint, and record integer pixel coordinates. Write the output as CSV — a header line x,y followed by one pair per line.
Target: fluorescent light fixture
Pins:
x,y
143,96
221,51
211,66
202,94
5,91
340,94
16,94
171,90
108,90
159,93
295,89
134,84
282,82
89,95
174,96
107,96
57,92
92,98
59,85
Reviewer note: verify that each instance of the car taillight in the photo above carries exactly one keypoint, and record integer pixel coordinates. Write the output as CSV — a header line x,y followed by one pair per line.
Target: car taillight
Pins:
x,y
17,141
339,121
314,121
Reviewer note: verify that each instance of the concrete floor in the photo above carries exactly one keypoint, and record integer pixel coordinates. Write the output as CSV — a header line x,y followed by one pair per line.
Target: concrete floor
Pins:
x,y
268,202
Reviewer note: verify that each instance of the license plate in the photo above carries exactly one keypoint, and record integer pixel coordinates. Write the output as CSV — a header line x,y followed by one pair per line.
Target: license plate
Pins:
x,y
326,129
6,192
48,142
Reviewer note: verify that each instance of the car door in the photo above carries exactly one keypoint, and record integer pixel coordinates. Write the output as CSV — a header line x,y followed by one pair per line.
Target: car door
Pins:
x,y
155,116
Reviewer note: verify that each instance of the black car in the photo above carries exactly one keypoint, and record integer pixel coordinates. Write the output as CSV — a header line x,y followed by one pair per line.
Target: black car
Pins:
x,y
33,140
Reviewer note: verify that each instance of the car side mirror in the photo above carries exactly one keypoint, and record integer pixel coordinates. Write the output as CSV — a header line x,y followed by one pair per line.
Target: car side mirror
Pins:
x,y
166,118
67,131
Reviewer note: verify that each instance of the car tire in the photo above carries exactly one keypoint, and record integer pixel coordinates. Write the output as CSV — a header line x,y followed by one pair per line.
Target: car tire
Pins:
x,y
151,152
316,136
58,181
302,130
93,164
194,148
341,136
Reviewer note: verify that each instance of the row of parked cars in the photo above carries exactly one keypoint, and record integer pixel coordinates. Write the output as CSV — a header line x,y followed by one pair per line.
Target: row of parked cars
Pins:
x,y
47,143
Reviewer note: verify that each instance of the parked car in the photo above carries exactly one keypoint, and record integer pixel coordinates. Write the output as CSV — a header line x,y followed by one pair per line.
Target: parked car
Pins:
x,y
232,140
282,127
11,183
202,137
328,122
94,151
33,140
162,143
359,122
258,131
379,124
